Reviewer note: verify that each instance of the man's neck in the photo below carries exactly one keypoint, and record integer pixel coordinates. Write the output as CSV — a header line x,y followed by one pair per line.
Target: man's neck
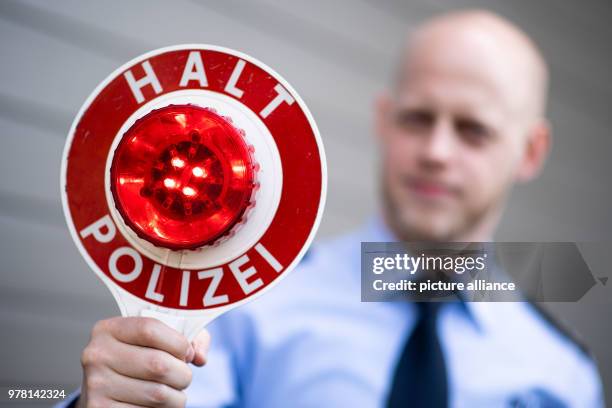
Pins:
x,y
481,231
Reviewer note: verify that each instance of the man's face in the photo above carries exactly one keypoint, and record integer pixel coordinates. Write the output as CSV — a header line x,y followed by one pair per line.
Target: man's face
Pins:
x,y
451,141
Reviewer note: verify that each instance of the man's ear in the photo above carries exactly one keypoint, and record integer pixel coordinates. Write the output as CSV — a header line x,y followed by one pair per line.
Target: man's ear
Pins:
x,y
536,151
382,115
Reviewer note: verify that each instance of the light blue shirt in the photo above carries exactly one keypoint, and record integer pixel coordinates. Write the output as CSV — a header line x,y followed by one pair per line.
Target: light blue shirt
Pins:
x,y
311,342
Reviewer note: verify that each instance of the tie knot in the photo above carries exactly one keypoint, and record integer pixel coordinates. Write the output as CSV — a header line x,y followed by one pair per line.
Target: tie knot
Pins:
x,y
428,310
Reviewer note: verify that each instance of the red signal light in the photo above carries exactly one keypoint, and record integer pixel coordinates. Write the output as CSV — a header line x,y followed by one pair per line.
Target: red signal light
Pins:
x,y
182,176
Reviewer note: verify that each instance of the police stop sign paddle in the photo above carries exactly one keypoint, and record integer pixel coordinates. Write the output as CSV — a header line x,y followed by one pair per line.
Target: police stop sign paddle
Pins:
x,y
193,179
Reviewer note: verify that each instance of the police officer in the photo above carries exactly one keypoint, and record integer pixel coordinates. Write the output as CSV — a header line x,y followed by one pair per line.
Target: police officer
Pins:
x,y
462,123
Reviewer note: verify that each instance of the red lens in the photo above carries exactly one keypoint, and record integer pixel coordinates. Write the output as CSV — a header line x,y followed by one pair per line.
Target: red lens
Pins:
x,y
182,176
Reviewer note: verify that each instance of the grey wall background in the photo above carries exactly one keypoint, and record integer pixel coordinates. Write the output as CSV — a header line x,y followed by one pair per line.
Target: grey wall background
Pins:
x,y
337,54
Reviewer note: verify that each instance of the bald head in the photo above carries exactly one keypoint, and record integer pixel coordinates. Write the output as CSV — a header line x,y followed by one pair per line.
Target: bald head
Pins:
x,y
464,124
480,45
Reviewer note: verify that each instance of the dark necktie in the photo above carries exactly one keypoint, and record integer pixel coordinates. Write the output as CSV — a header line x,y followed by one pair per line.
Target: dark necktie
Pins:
x,y
420,376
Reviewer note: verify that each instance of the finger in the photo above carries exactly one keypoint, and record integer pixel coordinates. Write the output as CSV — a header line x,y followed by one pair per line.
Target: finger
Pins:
x,y
141,392
201,345
150,332
149,364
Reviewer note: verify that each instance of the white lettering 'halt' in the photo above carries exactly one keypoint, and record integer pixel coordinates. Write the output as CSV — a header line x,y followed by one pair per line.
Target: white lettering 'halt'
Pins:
x,y
194,70
149,79
282,96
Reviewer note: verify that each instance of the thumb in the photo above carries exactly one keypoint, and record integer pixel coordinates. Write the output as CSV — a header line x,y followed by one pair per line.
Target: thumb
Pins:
x,y
201,344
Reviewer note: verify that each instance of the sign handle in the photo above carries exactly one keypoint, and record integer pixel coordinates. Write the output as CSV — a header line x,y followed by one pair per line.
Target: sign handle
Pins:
x,y
189,325
176,322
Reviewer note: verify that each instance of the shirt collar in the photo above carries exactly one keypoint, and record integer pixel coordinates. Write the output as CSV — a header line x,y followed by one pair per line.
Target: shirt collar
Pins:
x,y
376,230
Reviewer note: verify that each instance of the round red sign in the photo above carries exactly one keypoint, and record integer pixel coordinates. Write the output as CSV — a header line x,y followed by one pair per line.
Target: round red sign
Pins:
x,y
191,218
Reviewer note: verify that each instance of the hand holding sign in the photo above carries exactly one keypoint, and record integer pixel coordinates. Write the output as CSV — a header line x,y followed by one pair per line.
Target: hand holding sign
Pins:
x,y
138,360
193,180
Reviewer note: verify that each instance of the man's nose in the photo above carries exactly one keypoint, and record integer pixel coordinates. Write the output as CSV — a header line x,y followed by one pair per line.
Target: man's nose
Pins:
x,y
439,144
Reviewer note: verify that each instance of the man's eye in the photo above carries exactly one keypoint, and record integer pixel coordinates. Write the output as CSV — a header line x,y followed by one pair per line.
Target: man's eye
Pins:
x,y
473,131
415,119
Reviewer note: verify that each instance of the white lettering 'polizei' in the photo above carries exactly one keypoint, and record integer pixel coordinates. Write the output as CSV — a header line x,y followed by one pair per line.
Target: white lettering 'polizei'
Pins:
x,y
194,70
96,228
149,79
151,293
230,87
210,299
184,288
125,276
282,96
265,254
242,276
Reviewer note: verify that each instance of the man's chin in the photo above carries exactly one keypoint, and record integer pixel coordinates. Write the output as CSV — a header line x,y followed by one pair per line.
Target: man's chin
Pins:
x,y
426,227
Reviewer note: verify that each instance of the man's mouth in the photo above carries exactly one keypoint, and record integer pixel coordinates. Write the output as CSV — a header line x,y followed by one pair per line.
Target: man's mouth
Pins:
x,y
430,189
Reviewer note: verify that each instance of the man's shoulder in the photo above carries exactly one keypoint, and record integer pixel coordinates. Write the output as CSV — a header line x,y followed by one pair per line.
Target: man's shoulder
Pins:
x,y
568,354
560,327
533,335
